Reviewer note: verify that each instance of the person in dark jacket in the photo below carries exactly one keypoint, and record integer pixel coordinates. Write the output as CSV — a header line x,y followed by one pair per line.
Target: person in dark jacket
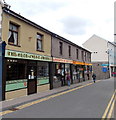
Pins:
x,y
68,79
94,77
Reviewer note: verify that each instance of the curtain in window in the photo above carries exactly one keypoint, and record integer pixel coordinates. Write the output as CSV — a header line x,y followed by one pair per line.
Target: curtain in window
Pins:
x,y
10,33
15,38
39,45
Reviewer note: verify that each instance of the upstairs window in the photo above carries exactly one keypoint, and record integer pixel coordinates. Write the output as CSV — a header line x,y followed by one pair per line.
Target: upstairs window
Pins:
x,y
85,56
13,34
82,54
60,48
77,53
69,51
39,42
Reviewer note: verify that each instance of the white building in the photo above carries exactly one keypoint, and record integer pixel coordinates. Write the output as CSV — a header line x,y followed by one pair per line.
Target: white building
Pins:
x,y
99,57
112,58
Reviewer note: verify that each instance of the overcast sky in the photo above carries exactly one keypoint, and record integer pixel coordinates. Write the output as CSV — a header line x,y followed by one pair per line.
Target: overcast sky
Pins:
x,y
75,20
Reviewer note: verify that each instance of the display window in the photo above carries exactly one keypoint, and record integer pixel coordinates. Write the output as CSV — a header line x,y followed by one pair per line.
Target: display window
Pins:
x,y
42,73
20,71
58,75
16,77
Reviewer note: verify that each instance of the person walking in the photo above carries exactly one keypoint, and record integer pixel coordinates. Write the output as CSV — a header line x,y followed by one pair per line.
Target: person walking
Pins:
x,y
94,77
68,79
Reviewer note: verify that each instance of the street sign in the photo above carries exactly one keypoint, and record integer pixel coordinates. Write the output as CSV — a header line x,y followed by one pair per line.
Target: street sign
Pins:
x,y
104,69
105,65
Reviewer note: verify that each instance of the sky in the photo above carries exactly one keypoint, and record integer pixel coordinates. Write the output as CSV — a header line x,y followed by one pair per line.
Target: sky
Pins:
x,y
75,20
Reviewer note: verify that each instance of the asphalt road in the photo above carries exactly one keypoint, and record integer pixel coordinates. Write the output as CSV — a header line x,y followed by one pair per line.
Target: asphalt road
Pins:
x,y
88,102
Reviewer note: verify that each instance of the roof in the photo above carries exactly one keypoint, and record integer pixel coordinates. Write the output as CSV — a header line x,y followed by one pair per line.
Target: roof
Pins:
x,y
8,11
93,36
113,43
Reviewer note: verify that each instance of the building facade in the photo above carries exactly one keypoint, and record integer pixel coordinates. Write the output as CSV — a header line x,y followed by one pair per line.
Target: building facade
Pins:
x,y
99,57
112,58
69,58
27,55
37,59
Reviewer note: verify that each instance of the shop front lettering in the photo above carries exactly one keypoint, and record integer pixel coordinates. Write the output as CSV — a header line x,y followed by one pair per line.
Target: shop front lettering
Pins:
x,y
26,56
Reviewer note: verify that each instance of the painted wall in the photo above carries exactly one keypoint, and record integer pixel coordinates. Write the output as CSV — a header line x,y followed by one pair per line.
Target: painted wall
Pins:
x,y
98,47
27,36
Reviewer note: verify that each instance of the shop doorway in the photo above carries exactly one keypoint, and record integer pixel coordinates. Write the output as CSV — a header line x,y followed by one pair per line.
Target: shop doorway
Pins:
x,y
32,78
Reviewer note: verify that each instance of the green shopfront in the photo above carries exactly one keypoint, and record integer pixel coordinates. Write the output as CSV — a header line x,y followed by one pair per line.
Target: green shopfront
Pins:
x,y
26,73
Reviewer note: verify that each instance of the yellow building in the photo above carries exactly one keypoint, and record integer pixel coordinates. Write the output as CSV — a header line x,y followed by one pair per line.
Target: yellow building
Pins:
x,y
27,55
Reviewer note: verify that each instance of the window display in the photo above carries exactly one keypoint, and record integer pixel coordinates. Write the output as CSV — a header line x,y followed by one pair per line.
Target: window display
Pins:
x,y
42,73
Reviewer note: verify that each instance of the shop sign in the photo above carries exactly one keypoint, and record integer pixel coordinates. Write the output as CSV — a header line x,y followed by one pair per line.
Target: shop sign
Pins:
x,y
104,69
81,63
78,63
23,55
62,60
105,65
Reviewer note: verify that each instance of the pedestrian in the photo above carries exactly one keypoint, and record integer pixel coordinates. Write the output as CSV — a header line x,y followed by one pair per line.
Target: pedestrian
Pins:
x,y
68,79
94,77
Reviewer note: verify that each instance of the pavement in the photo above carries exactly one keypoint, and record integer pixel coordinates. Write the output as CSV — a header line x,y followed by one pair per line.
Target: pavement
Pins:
x,y
25,99
83,100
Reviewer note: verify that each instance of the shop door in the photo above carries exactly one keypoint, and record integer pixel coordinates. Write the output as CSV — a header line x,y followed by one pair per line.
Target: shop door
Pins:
x,y
32,80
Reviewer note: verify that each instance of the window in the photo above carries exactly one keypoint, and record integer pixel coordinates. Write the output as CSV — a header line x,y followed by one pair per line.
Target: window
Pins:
x,y
85,56
39,42
69,51
13,34
42,70
61,48
16,69
77,53
82,53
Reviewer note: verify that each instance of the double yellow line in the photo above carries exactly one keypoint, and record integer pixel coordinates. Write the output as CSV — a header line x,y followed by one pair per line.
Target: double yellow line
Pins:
x,y
43,99
110,108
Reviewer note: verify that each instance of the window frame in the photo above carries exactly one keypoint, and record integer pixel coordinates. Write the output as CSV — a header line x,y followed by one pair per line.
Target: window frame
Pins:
x,y
12,32
69,50
61,48
82,54
41,40
77,53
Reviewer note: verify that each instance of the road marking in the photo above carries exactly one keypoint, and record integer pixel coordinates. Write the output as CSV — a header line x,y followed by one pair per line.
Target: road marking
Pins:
x,y
44,99
111,110
108,107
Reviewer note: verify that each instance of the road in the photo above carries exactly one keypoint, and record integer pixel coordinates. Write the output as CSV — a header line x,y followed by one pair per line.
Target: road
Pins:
x,y
89,101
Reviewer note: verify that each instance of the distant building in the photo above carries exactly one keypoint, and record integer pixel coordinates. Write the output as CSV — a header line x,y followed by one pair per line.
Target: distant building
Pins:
x,y
112,58
99,57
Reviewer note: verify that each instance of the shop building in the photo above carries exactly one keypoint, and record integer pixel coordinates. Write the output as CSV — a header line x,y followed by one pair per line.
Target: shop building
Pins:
x,y
27,55
37,59
69,58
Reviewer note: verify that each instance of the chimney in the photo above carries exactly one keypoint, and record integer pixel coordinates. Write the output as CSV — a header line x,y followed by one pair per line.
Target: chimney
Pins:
x,y
6,5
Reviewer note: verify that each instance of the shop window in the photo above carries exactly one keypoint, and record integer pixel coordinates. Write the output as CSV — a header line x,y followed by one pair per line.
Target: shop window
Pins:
x,y
39,42
16,70
60,48
13,34
42,70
